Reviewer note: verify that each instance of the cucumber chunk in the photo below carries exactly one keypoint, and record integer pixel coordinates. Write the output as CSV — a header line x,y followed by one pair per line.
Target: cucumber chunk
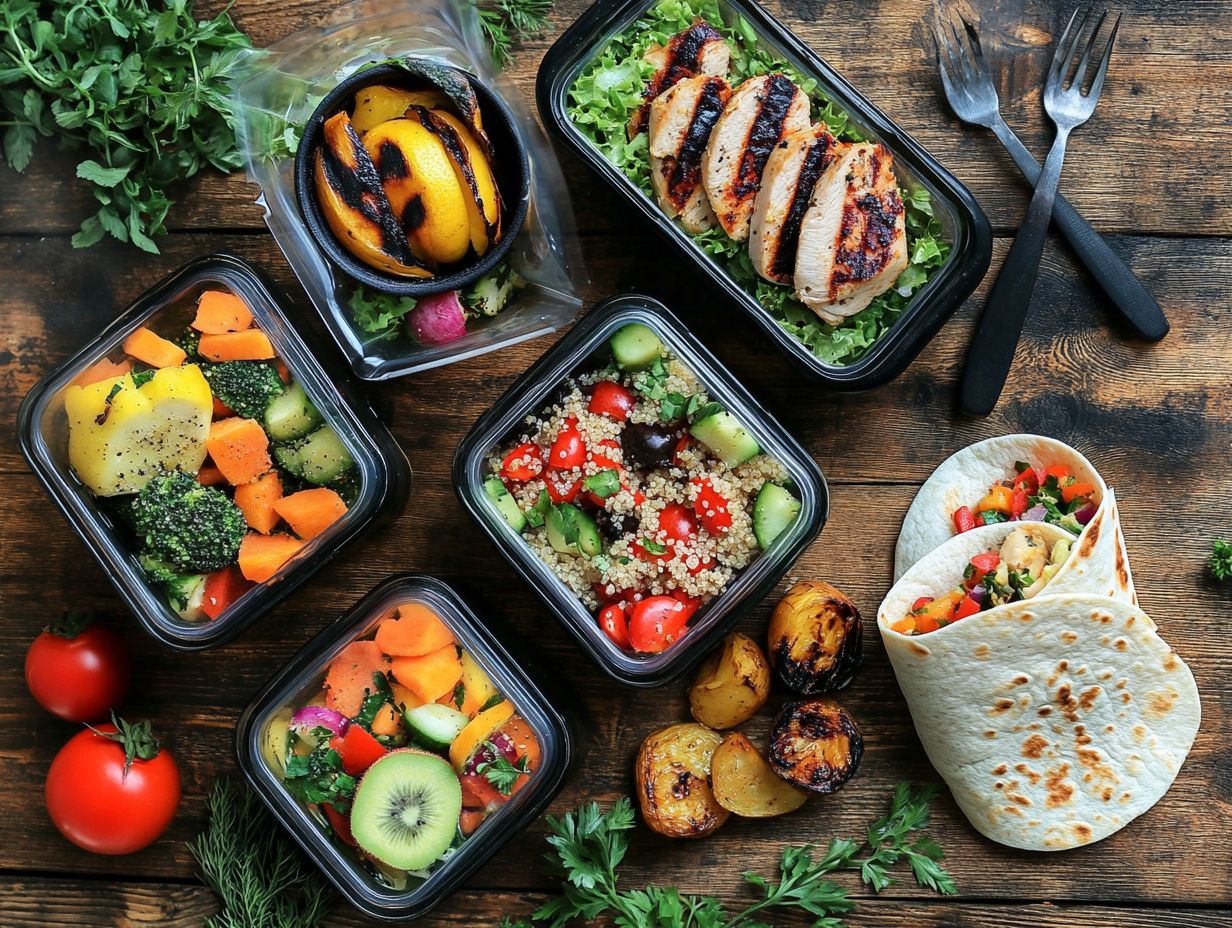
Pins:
x,y
289,459
723,434
635,347
434,725
291,415
506,505
320,458
571,531
774,510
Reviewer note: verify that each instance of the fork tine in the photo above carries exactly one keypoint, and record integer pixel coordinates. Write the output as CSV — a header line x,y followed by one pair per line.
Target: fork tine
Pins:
x,y
1066,46
945,46
973,38
1085,61
968,68
1098,83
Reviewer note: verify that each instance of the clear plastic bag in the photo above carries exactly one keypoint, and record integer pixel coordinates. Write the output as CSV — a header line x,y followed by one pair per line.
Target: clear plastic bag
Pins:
x,y
278,92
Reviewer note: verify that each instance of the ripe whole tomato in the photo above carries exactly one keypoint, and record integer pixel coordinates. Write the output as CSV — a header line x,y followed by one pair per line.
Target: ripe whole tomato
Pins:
x,y
77,670
113,789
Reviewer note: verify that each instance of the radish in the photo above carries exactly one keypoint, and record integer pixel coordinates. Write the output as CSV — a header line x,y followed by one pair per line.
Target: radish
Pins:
x,y
437,319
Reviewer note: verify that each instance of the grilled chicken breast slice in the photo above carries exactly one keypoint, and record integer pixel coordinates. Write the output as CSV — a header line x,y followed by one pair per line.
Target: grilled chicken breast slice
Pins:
x,y
680,123
759,114
699,50
853,238
791,173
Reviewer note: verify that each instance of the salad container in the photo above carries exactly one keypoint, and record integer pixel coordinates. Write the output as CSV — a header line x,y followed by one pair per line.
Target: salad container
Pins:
x,y
275,100
575,353
301,678
962,223
383,472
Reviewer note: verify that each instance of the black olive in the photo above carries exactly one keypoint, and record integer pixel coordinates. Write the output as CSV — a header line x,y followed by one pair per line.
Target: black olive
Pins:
x,y
616,525
649,446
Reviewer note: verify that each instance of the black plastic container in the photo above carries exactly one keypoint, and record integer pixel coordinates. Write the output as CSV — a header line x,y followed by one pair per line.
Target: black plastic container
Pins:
x,y
529,394
301,678
42,424
511,167
964,224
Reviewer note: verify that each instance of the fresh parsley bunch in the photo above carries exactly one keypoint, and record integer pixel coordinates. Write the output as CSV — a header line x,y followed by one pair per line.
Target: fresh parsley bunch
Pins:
x,y
1221,561
139,86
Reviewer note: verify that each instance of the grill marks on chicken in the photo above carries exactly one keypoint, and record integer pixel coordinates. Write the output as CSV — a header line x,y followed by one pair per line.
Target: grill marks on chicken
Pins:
x,y
681,121
759,114
853,238
699,50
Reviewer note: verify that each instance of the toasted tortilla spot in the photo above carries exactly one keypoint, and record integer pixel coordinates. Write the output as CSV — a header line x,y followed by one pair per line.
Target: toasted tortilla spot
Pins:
x,y
1019,680
981,651
1065,699
1034,747
1122,683
1026,617
1130,621
1069,636
1000,706
1000,770
990,734
1027,772
1120,644
918,649
1106,795
1091,535
1139,733
1170,662
1045,711
1082,831
1126,698
1160,704
1126,797
1087,697
1105,674
1094,761
1059,791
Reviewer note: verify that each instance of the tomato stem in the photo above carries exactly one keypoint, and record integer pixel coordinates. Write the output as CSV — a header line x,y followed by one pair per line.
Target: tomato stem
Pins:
x,y
71,624
137,740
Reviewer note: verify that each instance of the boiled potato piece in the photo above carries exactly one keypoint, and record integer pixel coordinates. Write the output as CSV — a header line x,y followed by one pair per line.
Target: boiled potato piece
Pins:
x,y
816,638
732,684
745,784
815,744
672,777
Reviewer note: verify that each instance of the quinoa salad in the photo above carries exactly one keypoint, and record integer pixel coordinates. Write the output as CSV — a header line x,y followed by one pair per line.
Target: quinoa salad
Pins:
x,y
644,496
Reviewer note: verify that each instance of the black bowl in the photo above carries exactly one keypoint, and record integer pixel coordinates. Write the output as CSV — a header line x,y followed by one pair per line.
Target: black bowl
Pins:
x,y
512,169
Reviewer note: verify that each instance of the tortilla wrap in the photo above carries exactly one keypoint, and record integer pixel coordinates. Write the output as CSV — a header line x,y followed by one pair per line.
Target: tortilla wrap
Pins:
x,y
965,476
1055,721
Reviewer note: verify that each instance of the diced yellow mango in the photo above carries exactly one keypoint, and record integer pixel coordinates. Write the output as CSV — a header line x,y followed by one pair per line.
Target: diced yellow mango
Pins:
x,y
121,435
477,687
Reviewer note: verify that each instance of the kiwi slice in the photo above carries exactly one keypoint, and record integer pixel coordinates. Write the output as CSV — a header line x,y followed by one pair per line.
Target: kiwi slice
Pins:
x,y
406,809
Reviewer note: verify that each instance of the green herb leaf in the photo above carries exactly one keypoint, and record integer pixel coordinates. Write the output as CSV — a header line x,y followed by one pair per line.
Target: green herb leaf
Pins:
x,y
1221,561
506,23
604,484
537,514
379,315
502,773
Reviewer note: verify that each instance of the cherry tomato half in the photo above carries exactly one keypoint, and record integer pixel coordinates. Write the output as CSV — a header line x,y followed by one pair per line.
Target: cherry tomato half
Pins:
x,y
677,522
77,670
100,806
612,400
523,463
615,624
711,508
657,622
568,450
562,487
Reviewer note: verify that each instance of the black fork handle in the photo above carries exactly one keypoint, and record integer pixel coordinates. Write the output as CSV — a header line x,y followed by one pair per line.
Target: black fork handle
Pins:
x,y
1128,295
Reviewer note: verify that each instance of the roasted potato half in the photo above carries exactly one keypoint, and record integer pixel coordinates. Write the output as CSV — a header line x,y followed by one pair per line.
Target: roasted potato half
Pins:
x,y
816,638
732,684
745,784
815,744
672,774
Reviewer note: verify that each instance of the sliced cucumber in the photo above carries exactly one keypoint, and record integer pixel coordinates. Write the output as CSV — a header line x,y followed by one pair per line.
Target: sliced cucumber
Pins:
x,y
291,415
506,505
773,512
288,457
723,434
635,347
571,531
435,726
320,458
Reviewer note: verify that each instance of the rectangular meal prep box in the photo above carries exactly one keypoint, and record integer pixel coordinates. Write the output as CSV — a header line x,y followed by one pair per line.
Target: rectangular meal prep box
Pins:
x,y
531,392
384,474
963,223
301,678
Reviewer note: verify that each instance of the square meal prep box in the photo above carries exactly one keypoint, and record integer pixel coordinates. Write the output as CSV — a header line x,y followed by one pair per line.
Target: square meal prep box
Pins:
x,y
529,394
301,678
963,223
384,475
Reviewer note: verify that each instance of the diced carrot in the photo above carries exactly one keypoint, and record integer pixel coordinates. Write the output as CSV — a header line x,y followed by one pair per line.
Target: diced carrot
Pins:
x,y
388,721
221,410
284,372
257,501
414,630
104,369
470,820
153,349
311,512
429,676
249,345
222,588
240,449
219,312
904,626
210,476
261,556
350,676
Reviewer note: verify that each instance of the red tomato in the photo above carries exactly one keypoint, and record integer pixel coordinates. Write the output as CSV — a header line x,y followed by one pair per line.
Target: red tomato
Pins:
x,y
523,463
681,445
1028,480
615,624
561,488
703,564
568,450
969,606
964,519
341,824
642,553
1019,503
478,792
983,563
222,588
921,603
656,622
691,605
612,400
711,508
677,522
100,807
359,750
76,670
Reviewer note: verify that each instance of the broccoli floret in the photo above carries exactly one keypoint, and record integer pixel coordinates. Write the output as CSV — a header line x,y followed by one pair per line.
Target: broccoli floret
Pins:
x,y
193,527
247,387
1221,561
184,591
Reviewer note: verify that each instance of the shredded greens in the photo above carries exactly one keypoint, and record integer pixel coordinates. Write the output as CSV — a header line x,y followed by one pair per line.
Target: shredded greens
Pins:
x,y
609,90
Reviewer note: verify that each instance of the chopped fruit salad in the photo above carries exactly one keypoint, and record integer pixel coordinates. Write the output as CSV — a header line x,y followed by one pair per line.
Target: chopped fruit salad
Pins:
x,y
202,446
1020,569
407,748
643,496
1049,494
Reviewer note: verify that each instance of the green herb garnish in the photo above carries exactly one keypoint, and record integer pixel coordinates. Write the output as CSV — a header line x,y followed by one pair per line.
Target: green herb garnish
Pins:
x,y
508,22
501,773
604,484
1221,561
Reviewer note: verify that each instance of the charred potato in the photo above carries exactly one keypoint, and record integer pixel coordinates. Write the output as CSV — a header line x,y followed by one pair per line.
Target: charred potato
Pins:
x,y
731,685
815,744
673,781
816,638
745,784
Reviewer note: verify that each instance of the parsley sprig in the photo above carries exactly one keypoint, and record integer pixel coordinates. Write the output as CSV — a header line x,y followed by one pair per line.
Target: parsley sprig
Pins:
x,y
590,844
1221,561
501,772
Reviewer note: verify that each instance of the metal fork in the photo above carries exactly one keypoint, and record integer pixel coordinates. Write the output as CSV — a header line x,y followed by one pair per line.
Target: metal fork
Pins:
x,y
996,337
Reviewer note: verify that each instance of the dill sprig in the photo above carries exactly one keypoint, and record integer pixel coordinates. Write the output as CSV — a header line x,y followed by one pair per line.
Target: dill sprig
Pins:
x,y
508,22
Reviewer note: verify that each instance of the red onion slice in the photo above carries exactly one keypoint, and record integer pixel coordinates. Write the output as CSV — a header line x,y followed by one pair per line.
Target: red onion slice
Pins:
x,y
1034,514
1086,514
310,717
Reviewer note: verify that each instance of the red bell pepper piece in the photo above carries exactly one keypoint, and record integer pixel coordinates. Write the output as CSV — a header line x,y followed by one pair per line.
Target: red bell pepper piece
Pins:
x,y
969,606
1028,480
477,792
921,603
964,519
222,588
340,823
358,749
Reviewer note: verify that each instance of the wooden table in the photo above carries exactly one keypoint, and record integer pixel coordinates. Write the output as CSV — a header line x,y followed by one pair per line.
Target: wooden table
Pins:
x,y
1150,170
